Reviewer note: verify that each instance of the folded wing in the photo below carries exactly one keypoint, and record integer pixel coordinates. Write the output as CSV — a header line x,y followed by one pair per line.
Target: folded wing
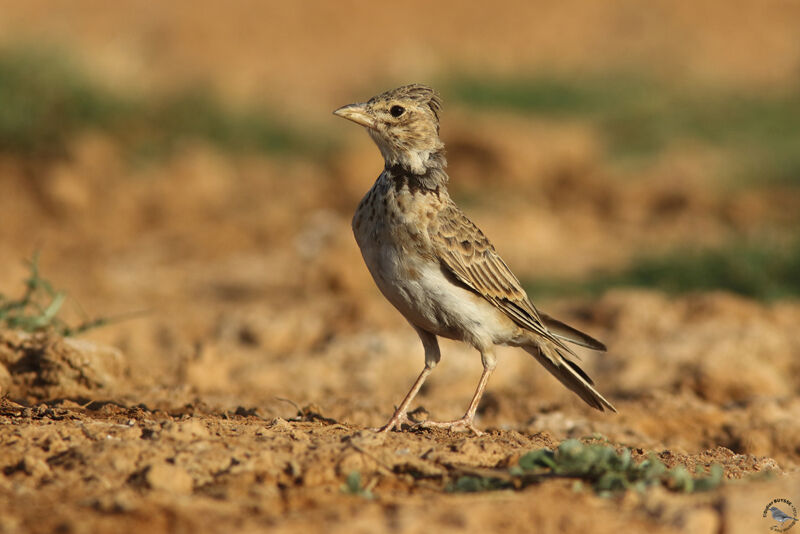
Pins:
x,y
471,258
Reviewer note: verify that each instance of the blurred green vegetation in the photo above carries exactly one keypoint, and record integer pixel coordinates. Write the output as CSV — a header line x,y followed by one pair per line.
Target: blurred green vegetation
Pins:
x,y
600,466
40,305
638,117
47,99
354,486
763,270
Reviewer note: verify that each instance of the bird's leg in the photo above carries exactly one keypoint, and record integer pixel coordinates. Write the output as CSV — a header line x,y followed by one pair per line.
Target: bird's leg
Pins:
x,y
401,413
489,361
432,357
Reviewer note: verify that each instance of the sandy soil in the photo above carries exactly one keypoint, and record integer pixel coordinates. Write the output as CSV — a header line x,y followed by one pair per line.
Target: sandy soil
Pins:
x,y
240,400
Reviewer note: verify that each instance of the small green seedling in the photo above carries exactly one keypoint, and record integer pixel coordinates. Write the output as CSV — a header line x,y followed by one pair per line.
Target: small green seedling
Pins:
x,y
39,307
353,486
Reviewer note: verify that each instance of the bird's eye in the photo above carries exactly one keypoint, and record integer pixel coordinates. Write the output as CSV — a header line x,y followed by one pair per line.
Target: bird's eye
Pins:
x,y
396,111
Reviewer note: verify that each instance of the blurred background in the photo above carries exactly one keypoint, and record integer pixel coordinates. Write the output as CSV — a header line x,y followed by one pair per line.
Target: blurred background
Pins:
x,y
177,169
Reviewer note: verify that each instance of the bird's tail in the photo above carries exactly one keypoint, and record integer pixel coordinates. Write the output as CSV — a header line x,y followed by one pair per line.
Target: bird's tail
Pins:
x,y
565,332
568,373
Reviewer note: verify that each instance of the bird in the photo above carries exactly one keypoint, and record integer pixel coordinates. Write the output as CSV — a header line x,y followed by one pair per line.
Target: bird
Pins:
x,y
437,267
780,516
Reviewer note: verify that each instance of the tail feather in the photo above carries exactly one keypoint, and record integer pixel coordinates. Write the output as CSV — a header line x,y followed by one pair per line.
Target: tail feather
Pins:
x,y
565,332
569,374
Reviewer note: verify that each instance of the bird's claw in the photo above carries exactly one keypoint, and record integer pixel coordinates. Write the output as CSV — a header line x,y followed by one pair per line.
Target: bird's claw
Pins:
x,y
396,422
401,418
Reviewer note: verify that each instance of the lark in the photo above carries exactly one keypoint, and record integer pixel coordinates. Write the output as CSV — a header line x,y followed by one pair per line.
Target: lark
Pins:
x,y
437,267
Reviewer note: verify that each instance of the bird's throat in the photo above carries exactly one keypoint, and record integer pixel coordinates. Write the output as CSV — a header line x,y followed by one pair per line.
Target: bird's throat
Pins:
x,y
428,174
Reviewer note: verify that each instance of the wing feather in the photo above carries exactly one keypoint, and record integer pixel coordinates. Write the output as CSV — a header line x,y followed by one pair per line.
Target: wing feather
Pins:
x,y
471,258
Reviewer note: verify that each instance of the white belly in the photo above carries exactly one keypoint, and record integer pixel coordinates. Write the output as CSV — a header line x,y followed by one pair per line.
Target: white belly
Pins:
x,y
422,292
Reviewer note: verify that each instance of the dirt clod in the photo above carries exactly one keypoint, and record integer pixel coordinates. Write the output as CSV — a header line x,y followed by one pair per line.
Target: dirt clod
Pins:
x,y
169,478
46,366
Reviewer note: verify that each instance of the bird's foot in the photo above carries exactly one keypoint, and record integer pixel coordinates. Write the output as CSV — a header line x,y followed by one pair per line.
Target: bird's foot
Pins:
x,y
459,425
396,422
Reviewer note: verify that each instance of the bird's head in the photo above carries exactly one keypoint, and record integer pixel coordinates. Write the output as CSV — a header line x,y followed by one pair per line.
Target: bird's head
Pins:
x,y
403,122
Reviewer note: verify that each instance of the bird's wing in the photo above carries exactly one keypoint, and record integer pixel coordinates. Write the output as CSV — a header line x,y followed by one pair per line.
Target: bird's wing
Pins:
x,y
466,253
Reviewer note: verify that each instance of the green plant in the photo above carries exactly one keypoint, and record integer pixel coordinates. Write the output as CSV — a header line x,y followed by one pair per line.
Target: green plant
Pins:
x,y
601,466
39,306
353,486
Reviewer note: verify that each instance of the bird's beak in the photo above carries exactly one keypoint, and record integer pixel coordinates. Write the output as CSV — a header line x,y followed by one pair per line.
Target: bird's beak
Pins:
x,y
356,113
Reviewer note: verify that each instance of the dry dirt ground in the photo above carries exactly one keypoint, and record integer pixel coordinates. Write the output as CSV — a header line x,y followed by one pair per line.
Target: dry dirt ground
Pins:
x,y
241,398
108,452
